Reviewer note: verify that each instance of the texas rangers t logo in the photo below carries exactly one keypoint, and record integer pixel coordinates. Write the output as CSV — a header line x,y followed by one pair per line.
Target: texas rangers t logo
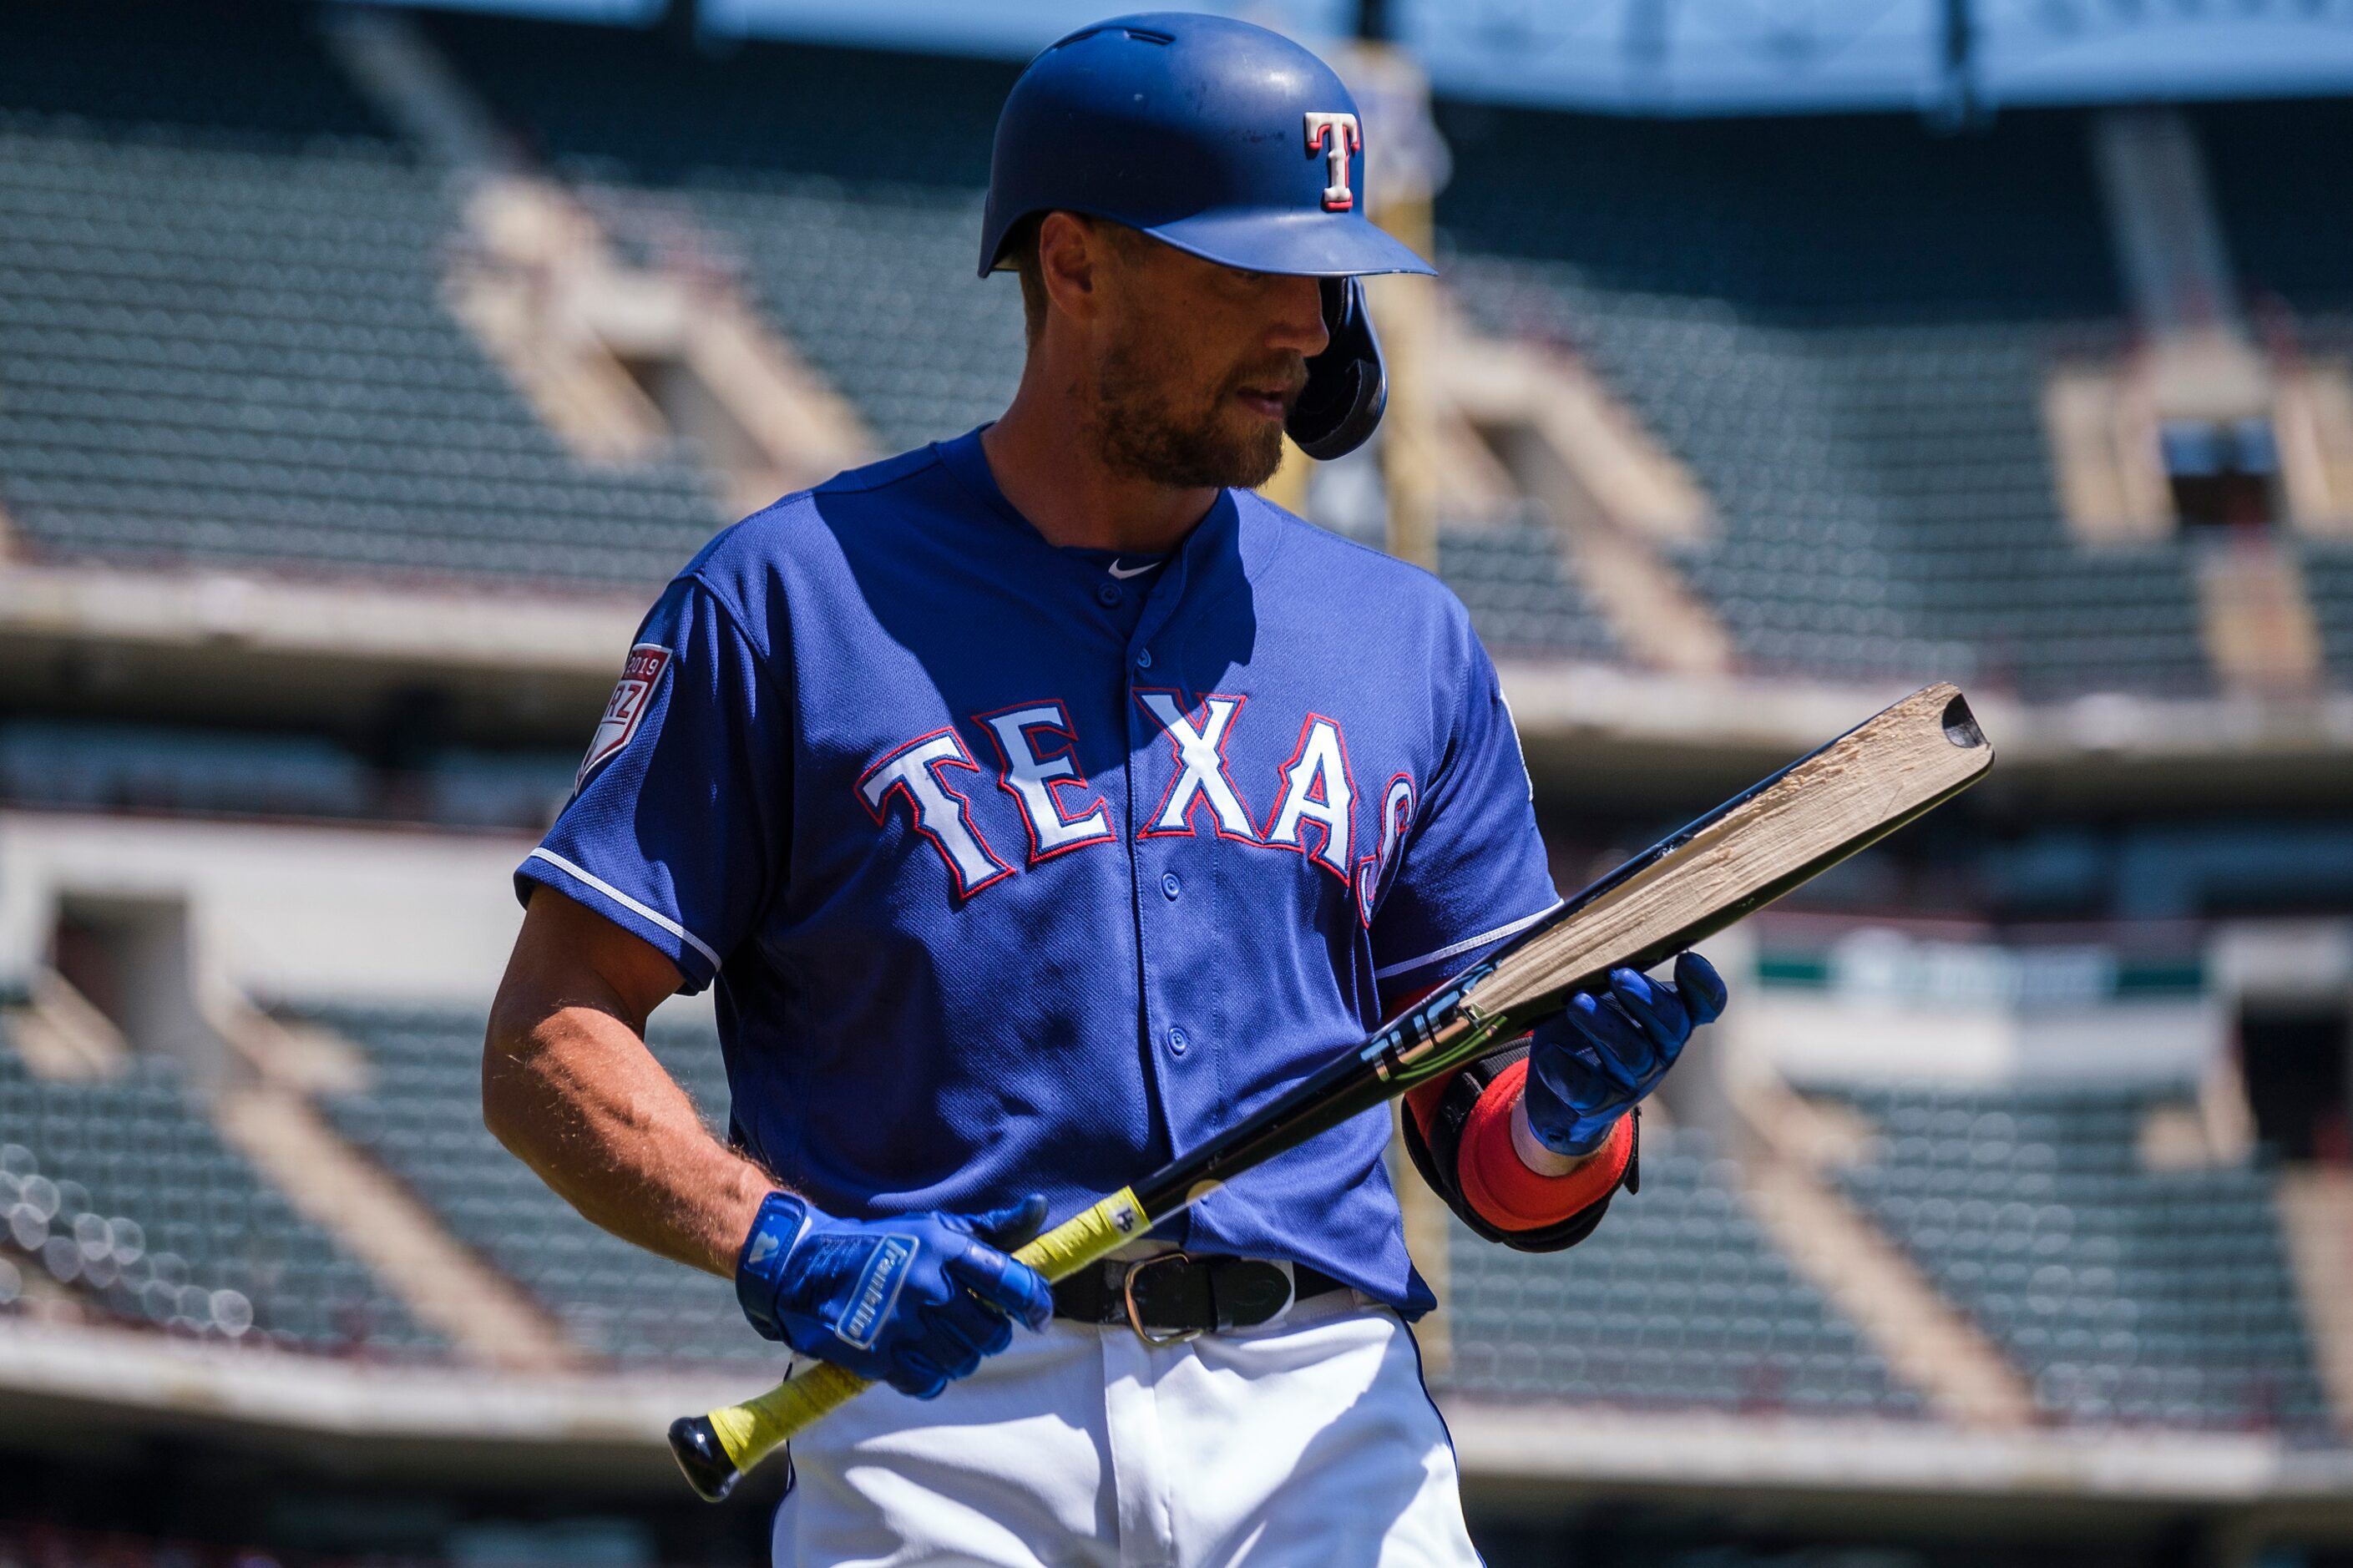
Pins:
x,y
1335,136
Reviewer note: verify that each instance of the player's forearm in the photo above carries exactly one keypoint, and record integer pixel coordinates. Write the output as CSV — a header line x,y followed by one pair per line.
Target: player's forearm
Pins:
x,y
578,1097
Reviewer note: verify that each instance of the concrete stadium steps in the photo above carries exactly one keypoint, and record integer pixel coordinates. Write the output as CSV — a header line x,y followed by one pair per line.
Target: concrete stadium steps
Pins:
x,y
2316,1207
485,1318
859,238
421,1118
2320,328
875,285
2129,1296
1802,575
1859,396
2328,578
1927,1343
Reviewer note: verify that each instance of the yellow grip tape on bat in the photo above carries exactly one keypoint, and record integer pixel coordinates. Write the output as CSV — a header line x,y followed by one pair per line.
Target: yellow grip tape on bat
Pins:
x,y
753,1429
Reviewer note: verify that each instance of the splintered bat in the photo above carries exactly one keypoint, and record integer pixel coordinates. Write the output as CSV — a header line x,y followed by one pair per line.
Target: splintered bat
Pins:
x,y
1690,885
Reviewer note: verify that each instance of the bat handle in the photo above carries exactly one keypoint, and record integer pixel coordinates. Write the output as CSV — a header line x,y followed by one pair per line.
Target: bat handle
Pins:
x,y
716,1449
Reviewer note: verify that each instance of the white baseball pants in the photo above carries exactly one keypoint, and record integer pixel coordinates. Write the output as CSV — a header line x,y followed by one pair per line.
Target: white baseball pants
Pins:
x,y
1308,1440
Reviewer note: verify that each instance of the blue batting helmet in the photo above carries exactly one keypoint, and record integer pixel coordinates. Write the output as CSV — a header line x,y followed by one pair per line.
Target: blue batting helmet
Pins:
x,y
1221,139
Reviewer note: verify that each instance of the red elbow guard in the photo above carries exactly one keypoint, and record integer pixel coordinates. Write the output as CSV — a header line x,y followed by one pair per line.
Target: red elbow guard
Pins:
x,y
1499,1184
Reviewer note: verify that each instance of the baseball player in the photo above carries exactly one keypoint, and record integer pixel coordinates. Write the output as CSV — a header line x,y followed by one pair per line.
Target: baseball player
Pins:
x,y
1040,802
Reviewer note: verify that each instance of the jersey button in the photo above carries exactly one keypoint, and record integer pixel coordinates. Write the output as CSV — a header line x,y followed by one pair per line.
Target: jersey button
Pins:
x,y
1144,659
1107,595
1179,1042
1170,885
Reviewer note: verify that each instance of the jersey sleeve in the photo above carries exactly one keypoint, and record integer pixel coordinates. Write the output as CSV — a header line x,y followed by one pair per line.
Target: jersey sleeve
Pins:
x,y
1474,869
677,826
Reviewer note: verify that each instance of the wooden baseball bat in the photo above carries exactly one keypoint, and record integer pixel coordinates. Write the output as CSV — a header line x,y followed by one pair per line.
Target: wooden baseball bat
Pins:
x,y
1756,846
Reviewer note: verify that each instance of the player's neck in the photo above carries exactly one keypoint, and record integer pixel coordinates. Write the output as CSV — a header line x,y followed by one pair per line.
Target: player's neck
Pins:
x,y
1049,471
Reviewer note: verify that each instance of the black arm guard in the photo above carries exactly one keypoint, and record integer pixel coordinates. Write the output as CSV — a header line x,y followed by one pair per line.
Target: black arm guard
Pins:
x,y
1436,1157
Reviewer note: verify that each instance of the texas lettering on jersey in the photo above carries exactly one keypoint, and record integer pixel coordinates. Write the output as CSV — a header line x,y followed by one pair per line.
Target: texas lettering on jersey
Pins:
x,y
1016,866
1312,810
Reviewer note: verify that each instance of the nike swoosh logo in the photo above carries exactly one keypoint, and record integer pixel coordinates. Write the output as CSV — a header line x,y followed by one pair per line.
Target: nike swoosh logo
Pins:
x,y
762,1245
1131,572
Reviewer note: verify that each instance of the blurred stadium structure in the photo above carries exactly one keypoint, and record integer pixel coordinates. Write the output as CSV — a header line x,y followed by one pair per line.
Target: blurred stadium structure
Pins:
x,y
363,373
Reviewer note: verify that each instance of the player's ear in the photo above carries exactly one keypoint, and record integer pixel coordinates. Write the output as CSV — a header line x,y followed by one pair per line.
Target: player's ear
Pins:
x,y
1071,251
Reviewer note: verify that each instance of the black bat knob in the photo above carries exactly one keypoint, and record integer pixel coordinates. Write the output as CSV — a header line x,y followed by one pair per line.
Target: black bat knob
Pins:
x,y
695,1445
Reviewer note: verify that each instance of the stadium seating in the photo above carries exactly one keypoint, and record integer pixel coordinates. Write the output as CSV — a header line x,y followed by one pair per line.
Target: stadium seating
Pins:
x,y
224,339
1512,579
1869,429
2263,161
1841,325
864,254
422,1117
121,1189
119,767
857,225
471,788
136,767
1677,1301
2328,578
222,335
2128,1297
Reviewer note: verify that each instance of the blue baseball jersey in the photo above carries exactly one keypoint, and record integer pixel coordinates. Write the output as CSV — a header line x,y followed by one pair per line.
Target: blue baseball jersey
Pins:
x,y
1021,867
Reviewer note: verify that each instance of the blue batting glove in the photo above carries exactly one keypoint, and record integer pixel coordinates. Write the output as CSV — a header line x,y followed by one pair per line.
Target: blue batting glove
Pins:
x,y
1610,1047
913,1301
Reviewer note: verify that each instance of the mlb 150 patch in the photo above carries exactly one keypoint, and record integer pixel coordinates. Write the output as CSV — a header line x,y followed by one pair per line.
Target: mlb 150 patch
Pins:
x,y
632,695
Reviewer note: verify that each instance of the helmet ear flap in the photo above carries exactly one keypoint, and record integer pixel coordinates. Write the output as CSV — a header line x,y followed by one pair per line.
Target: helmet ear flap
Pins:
x,y
1346,390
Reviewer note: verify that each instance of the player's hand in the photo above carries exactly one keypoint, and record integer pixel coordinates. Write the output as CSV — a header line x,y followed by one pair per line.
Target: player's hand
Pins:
x,y
913,1301
1610,1047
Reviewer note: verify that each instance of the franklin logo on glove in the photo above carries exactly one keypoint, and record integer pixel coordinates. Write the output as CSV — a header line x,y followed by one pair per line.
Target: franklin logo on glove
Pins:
x,y
877,1291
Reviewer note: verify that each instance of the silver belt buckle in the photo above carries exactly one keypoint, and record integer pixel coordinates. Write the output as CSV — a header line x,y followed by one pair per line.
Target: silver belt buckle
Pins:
x,y
1135,1318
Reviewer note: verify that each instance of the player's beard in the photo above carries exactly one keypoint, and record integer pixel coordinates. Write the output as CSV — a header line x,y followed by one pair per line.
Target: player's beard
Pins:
x,y
1140,431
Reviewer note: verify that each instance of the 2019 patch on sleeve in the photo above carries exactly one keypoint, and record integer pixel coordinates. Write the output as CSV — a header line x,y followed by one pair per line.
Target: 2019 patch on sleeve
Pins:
x,y
632,695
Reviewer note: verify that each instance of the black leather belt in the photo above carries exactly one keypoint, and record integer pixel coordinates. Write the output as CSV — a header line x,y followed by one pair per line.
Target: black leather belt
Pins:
x,y
1175,1295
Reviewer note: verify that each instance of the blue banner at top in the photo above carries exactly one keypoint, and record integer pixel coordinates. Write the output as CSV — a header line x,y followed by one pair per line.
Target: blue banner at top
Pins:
x,y
1682,57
